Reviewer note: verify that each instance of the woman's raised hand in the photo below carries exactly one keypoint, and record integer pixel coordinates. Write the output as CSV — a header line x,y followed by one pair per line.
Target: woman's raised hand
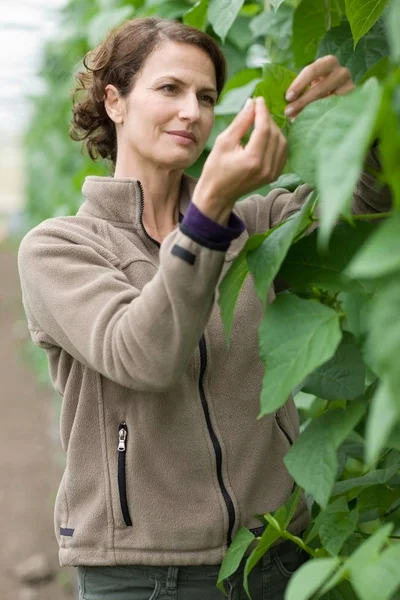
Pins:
x,y
232,170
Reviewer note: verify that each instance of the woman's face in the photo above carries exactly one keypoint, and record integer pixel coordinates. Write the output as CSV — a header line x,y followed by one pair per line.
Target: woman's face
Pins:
x,y
169,114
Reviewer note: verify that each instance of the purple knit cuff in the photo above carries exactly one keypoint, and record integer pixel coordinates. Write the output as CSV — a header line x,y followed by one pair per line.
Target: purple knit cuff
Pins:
x,y
207,232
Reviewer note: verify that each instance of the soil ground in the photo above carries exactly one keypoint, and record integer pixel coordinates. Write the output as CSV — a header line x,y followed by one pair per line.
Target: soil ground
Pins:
x,y
30,454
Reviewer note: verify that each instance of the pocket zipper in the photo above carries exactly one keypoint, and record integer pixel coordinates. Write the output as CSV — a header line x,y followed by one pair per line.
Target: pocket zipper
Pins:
x,y
122,437
283,428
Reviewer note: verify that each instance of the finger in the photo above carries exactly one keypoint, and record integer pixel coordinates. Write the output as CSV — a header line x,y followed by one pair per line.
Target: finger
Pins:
x,y
345,89
241,123
336,80
319,68
258,141
280,154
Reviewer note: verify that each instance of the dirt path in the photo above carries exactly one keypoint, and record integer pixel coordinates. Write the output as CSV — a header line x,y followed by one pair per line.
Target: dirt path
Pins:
x,y
30,456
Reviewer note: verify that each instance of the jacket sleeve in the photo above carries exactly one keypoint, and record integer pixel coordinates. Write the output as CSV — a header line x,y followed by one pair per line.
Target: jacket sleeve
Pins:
x,y
141,339
261,213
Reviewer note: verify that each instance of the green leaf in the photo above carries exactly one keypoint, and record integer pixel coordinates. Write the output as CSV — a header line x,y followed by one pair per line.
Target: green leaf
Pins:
x,y
296,336
342,377
273,87
309,578
310,22
382,417
371,49
362,556
222,14
233,557
269,536
265,261
276,4
371,478
335,525
240,35
362,15
312,460
307,266
378,576
240,79
235,98
197,15
377,496
380,255
383,342
233,281
102,22
334,135
356,307
380,70
393,28
389,147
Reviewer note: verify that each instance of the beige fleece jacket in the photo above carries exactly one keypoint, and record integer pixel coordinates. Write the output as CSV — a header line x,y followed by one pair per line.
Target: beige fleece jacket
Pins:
x,y
165,456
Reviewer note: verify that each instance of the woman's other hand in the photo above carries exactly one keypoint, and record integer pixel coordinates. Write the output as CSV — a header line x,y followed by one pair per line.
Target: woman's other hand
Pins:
x,y
232,170
324,77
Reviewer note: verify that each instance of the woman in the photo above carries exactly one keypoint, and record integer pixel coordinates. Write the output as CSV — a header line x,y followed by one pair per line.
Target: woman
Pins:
x,y
165,456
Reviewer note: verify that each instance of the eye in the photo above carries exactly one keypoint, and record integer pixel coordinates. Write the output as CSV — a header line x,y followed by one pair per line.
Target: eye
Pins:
x,y
208,99
169,87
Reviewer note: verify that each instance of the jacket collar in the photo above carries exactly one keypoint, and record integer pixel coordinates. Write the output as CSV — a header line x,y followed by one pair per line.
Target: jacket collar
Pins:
x,y
120,200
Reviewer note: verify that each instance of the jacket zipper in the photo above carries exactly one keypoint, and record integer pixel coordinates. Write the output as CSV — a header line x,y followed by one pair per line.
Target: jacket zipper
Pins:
x,y
283,428
122,437
215,442
141,215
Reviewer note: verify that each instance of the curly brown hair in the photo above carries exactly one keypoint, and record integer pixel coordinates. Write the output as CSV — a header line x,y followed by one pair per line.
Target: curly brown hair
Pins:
x,y
117,61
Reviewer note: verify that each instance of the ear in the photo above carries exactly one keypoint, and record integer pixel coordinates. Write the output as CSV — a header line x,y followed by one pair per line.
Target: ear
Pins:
x,y
114,104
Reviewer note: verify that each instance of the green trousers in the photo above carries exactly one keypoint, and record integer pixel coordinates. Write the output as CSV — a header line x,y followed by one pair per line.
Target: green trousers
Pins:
x,y
268,580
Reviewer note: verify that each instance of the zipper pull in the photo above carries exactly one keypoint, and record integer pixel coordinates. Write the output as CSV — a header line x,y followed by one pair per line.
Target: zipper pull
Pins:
x,y
122,437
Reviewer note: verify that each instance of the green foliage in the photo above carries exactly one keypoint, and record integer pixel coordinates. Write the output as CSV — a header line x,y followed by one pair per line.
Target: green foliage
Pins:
x,y
334,335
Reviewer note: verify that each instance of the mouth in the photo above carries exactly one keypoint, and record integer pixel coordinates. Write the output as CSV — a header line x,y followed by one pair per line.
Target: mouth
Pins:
x,y
187,135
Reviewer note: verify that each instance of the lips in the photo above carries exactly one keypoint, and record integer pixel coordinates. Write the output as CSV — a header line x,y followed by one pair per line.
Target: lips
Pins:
x,y
186,134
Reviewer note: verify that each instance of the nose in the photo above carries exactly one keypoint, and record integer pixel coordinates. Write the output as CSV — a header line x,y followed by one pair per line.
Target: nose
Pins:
x,y
190,109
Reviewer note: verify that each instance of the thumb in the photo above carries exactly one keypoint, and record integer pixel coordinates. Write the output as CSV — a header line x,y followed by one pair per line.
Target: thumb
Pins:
x,y
243,120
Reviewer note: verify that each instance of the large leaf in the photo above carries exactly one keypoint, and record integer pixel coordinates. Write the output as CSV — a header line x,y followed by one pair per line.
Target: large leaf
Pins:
x,y
273,87
312,460
233,101
378,576
308,266
393,28
197,15
310,577
296,336
362,15
342,377
371,478
269,536
235,553
328,144
334,526
265,261
311,20
382,417
380,255
383,342
363,555
222,14
101,23
233,281
370,50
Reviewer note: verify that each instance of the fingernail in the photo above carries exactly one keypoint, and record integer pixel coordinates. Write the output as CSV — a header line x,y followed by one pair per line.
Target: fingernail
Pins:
x,y
289,110
248,104
290,95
